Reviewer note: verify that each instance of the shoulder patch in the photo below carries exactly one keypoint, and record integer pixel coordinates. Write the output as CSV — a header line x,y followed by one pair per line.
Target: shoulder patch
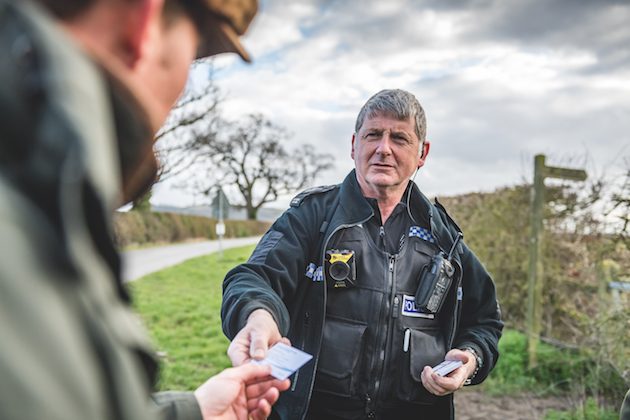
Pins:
x,y
298,199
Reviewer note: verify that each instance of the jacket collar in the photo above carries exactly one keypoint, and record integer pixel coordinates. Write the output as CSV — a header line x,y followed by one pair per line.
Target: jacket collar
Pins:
x,y
356,209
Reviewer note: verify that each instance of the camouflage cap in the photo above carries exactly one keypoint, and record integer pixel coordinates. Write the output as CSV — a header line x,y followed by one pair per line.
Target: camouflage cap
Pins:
x,y
220,29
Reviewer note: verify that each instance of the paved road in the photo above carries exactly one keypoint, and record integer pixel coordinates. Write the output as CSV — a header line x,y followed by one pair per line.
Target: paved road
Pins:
x,y
141,262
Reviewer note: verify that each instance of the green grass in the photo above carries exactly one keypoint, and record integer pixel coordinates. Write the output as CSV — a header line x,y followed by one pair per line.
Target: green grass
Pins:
x,y
180,307
589,411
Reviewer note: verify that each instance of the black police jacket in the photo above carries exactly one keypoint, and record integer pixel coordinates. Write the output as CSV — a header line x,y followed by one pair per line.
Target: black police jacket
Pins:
x,y
279,277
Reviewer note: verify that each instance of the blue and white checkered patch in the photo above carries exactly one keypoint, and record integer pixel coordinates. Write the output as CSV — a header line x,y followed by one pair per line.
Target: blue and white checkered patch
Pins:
x,y
422,233
318,274
310,270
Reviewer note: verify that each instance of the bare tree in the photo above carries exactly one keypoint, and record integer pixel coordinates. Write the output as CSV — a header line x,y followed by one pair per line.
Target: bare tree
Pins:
x,y
250,155
620,205
205,152
196,115
196,112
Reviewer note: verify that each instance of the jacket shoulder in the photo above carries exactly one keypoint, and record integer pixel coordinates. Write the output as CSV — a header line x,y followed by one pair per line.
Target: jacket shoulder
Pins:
x,y
448,220
299,199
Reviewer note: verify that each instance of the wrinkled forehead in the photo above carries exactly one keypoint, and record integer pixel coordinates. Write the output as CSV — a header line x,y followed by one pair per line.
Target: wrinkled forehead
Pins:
x,y
379,118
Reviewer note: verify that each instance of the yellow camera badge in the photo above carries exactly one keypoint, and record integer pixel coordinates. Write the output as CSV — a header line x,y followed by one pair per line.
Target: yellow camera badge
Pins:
x,y
341,268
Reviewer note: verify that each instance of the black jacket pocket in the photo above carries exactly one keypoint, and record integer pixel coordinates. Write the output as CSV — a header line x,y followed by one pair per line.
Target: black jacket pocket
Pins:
x,y
338,357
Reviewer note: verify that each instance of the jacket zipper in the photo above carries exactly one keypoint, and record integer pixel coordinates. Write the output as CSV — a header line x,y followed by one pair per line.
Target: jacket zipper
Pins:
x,y
382,343
304,334
321,336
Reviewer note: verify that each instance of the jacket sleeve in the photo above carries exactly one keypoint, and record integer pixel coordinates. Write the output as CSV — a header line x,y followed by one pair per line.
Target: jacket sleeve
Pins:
x,y
272,274
480,322
176,405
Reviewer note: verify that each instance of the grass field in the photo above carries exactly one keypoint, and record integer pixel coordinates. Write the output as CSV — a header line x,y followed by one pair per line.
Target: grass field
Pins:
x,y
180,307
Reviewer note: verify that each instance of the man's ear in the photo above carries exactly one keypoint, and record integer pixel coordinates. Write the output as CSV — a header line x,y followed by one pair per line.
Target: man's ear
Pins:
x,y
140,26
352,152
423,155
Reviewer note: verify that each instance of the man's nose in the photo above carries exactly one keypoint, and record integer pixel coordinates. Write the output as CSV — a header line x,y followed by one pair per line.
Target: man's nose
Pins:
x,y
384,146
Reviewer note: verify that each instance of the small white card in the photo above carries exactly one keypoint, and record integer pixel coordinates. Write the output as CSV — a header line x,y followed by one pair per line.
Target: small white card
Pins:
x,y
447,367
284,360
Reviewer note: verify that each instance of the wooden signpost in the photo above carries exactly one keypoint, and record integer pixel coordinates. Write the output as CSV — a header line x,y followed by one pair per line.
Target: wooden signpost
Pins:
x,y
535,273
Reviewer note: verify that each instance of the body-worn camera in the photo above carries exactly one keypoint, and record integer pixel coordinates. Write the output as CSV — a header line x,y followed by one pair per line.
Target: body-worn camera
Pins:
x,y
341,268
434,281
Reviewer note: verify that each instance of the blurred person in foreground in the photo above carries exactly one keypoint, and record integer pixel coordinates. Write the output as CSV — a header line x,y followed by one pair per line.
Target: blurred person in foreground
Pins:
x,y
625,408
347,274
84,86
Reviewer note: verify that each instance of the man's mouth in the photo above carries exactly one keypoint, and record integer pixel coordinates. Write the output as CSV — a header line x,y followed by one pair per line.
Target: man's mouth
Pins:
x,y
379,165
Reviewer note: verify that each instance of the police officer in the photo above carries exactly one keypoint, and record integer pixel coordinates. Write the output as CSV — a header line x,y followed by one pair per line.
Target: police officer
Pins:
x,y
84,85
346,275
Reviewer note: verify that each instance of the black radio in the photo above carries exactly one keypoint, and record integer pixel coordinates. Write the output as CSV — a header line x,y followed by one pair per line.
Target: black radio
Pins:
x,y
434,281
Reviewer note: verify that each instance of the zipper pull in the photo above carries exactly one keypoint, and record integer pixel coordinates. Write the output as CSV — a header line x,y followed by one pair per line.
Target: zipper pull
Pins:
x,y
391,263
368,406
395,313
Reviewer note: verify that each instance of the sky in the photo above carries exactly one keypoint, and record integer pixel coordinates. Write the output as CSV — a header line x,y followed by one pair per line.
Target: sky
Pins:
x,y
500,82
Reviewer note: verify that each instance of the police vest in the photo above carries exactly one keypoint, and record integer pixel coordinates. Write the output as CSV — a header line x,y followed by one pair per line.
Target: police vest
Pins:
x,y
375,341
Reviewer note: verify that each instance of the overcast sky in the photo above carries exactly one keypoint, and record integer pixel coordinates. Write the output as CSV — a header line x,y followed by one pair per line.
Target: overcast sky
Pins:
x,y
500,81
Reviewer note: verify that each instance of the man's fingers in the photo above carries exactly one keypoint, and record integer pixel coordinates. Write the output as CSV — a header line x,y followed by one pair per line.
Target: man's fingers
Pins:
x,y
238,354
249,373
260,388
434,383
270,395
262,411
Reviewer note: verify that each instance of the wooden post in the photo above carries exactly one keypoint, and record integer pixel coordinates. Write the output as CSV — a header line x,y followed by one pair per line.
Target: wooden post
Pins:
x,y
535,272
534,277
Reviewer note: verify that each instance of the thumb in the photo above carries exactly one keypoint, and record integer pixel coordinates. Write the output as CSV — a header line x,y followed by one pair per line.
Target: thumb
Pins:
x,y
259,346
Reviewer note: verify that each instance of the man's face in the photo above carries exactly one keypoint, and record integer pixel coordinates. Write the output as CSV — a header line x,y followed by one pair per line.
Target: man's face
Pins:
x,y
164,69
386,152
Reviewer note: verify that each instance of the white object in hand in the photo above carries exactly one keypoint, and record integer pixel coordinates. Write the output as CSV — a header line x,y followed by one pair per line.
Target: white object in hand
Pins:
x,y
284,360
447,367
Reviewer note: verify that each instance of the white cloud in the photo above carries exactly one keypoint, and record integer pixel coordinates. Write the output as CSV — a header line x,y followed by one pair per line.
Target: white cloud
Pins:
x,y
499,79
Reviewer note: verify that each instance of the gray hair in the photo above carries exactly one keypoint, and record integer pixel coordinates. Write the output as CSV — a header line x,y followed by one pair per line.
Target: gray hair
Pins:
x,y
398,104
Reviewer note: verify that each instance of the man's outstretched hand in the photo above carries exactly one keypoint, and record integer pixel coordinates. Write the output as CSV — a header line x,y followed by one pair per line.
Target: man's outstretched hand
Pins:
x,y
255,339
238,393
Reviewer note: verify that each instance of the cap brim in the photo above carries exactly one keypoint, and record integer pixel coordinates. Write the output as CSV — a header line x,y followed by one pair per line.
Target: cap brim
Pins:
x,y
219,37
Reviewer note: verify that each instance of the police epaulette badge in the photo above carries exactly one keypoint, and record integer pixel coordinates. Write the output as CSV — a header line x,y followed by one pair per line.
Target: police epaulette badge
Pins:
x,y
298,199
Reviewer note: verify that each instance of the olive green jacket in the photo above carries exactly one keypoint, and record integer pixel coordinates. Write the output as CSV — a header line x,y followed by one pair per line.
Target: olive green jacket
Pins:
x,y
625,408
70,345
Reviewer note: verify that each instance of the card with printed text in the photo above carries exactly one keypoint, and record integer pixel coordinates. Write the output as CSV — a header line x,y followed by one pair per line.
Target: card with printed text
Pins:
x,y
284,360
